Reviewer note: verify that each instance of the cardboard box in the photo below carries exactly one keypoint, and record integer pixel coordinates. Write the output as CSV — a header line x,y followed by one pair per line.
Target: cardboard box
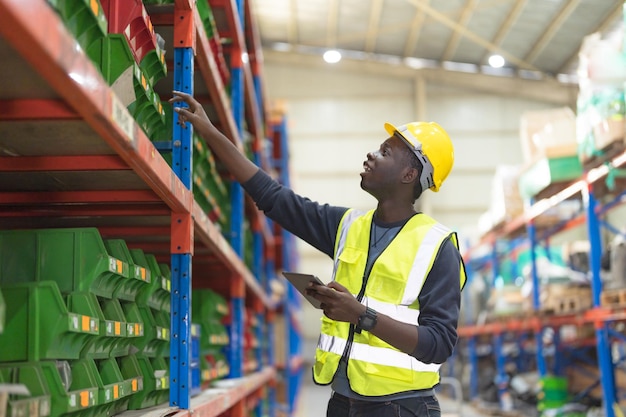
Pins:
x,y
506,202
548,133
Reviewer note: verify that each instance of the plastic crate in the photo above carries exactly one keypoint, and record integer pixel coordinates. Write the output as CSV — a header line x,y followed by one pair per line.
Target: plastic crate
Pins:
x,y
155,373
129,17
113,387
214,366
113,56
156,295
85,19
210,27
40,327
57,388
14,403
156,339
76,259
167,280
131,371
113,326
140,275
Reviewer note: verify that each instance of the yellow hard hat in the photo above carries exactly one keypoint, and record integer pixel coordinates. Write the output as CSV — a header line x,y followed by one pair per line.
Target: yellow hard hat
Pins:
x,y
432,146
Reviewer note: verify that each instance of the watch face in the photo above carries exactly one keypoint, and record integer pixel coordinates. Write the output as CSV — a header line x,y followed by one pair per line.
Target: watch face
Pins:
x,y
367,323
367,320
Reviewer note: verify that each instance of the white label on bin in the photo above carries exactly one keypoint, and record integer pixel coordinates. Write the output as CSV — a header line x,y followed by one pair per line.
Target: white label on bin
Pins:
x,y
74,323
44,407
73,400
112,265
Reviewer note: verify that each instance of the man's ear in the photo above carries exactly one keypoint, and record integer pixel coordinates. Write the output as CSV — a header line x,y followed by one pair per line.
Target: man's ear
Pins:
x,y
410,174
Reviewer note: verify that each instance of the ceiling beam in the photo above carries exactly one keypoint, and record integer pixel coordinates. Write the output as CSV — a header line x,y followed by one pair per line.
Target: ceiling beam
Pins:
x,y
292,30
372,30
551,30
504,28
443,19
333,18
453,43
612,16
414,32
546,91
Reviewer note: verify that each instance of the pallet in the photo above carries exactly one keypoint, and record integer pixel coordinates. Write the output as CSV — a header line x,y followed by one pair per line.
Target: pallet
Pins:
x,y
613,298
567,304
568,300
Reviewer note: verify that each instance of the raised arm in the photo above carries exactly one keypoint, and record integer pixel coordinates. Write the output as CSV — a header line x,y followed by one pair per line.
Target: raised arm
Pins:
x,y
239,166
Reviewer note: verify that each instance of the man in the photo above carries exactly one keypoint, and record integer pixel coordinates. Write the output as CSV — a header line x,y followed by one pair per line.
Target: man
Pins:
x,y
391,310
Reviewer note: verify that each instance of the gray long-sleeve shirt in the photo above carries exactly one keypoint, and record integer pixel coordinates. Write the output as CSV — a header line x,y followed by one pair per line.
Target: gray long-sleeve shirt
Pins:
x,y
317,224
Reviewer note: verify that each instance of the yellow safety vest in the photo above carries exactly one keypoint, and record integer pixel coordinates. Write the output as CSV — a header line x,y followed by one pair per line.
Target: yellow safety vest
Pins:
x,y
375,367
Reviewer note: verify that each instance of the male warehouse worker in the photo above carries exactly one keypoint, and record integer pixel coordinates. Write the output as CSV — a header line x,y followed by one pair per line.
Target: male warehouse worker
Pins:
x,y
391,310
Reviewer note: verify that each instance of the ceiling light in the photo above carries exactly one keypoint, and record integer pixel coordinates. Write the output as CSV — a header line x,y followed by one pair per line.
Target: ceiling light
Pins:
x,y
332,56
496,61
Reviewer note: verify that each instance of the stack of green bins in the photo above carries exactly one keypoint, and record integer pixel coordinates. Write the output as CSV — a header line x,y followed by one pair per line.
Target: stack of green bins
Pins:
x,y
113,56
209,189
208,309
85,19
153,348
553,393
65,326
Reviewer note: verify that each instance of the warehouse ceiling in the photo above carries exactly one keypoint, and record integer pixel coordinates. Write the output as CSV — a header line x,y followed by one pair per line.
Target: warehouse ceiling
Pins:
x,y
536,38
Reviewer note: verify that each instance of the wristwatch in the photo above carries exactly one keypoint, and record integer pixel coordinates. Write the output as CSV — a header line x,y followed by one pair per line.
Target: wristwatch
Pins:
x,y
367,320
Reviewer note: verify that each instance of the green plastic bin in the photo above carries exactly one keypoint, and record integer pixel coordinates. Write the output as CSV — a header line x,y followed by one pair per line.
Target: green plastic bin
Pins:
x,y
155,372
85,19
156,338
114,388
24,405
138,273
167,281
156,295
40,326
62,390
131,371
127,324
112,340
76,259
113,56
553,393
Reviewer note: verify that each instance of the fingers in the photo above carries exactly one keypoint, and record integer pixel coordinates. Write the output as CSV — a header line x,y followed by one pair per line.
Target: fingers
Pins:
x,y
178,96
336,286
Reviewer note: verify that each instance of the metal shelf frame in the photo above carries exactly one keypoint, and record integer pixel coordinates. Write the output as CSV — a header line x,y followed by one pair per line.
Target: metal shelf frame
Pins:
x,y
600,317
143,196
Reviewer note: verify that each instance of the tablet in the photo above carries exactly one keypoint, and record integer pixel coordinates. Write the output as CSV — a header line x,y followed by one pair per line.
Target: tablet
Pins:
x,y
301,282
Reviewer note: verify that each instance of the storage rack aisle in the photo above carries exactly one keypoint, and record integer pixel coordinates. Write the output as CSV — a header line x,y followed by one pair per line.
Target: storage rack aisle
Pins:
x,y
597,325
100,188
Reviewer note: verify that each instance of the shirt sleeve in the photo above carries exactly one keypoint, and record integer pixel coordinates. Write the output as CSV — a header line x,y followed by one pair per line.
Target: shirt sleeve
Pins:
x,y
312,222
440,301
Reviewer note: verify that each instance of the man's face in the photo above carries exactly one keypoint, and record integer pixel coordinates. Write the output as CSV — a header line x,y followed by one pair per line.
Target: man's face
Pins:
x,y
384,168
